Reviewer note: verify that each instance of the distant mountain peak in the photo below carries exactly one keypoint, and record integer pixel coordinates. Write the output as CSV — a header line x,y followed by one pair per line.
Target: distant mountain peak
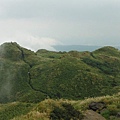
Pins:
x,y
109,50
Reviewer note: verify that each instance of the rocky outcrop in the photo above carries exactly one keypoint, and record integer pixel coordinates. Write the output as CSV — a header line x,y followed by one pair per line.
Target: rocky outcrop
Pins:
x,y
97,106
118,115
91,115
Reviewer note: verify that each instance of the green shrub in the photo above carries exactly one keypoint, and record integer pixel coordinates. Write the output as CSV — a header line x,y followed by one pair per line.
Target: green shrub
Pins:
x,y
113,109
106,114
66,112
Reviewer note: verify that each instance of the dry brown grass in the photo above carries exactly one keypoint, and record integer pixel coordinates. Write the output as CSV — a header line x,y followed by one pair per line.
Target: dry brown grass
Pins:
x,y
44,108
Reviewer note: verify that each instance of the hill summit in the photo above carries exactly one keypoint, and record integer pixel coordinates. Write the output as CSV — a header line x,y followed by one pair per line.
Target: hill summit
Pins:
x,y
31,76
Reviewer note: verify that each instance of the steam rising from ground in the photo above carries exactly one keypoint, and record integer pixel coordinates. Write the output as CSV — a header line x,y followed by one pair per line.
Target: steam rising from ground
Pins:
x,y
32,42
6,76
5,90
36,43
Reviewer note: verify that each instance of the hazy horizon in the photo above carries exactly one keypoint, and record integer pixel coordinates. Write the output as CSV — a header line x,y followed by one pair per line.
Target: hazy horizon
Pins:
x,y
42,24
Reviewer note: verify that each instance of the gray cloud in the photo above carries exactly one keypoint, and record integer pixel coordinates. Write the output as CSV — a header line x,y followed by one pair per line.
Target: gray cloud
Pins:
x,y
68,21
74,9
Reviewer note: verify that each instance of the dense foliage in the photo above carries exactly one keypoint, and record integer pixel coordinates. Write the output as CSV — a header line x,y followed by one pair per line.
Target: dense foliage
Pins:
x,y
11,110
29,76
60,109
66,112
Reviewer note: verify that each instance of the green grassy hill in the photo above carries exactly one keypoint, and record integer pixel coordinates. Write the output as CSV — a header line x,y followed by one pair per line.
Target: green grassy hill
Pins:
x,y
31,77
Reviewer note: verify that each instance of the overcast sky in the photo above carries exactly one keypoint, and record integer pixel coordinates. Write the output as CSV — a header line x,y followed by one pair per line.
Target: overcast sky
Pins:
x,y
43,23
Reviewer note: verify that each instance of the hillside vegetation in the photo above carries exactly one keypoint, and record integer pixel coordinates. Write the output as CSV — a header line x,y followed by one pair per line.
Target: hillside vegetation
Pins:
x,y
61,109
29,76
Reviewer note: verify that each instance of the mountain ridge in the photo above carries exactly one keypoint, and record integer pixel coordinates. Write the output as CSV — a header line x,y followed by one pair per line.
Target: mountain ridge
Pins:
x,y
90,48
31,76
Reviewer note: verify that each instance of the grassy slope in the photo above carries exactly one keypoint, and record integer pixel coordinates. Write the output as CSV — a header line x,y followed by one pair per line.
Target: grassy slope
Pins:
x,y
43,110
31,77
75,75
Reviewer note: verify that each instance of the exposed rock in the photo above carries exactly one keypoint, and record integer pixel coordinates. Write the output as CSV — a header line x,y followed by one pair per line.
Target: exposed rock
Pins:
x,y
97,106
118,115
91,115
